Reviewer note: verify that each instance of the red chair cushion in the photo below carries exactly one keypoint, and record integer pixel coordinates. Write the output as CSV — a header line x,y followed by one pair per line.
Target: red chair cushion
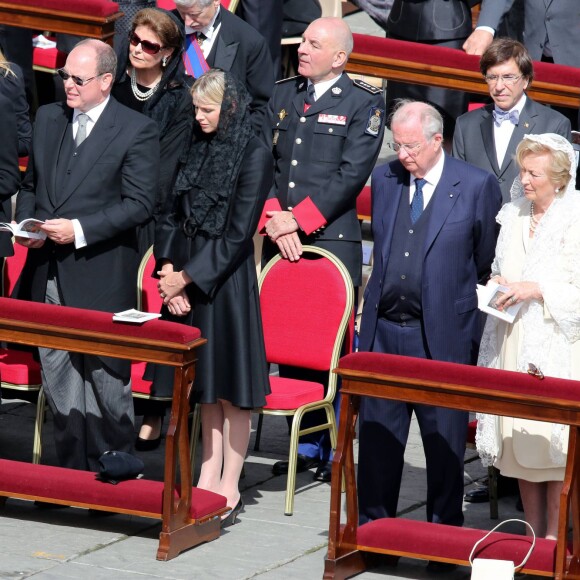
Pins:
x,y
81,487
13,267
150,299
100,8
439,540
290,393
138,383
48,58
19,367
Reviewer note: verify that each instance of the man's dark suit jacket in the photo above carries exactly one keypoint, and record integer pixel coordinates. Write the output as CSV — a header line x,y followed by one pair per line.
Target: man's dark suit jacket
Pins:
x,y
240,49
110,190
458,253
474,142
9,172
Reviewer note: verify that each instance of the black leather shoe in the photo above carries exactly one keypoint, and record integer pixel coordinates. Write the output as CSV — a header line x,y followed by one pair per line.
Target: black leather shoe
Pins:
x,y
323,471
304,463
477,495
147,444
230,518
440,567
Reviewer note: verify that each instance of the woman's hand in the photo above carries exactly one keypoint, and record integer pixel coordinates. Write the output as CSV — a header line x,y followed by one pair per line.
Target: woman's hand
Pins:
x,y
179,305
519,292
497,279
171,284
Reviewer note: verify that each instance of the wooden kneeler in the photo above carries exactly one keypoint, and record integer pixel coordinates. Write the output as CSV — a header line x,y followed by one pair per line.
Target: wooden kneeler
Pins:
x,y
459,387
189,516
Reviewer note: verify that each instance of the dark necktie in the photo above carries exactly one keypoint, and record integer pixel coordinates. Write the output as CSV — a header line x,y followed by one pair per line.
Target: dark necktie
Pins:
x,y
500,116
417,202
81,129
310,96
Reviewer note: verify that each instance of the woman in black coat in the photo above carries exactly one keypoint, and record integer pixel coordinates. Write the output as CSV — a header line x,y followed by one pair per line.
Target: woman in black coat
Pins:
x,y
151,79
205,260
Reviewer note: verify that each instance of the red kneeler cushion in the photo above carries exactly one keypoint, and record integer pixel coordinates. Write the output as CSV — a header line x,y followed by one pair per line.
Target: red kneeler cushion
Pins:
x,y
481,378
453,58
81,319
100,8
72,486
431,541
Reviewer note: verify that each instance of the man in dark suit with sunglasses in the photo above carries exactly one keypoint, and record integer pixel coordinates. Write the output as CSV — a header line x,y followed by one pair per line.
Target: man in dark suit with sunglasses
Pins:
x,y
92,179
229,43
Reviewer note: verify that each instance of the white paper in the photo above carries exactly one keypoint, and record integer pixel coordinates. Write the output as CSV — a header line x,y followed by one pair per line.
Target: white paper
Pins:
x,y
134,316
487,297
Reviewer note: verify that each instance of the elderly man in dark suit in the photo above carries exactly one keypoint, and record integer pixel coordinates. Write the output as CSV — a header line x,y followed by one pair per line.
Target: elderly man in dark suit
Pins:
x,y
488,137
92,179
434,233
227,42
326,133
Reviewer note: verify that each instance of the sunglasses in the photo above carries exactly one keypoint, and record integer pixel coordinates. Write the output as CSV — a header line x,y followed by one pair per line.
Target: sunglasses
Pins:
x,y
148,47
76,80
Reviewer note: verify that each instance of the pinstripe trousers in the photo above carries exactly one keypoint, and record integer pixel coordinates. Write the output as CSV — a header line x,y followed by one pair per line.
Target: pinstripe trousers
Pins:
x,y
92,407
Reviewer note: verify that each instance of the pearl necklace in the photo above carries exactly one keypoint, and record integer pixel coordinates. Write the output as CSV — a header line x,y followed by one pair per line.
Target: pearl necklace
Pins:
x,y
140,95
534,221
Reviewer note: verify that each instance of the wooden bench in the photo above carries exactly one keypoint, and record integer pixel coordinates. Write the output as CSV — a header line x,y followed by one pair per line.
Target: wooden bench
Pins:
x,y
459,387
189,516
90,18
449,68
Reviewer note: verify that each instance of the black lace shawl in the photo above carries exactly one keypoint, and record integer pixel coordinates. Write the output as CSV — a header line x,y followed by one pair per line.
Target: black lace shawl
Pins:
x,y
164,104
208,172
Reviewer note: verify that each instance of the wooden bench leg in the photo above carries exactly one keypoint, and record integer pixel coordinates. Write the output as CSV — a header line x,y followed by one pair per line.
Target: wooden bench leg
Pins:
x,y
344,566
172,543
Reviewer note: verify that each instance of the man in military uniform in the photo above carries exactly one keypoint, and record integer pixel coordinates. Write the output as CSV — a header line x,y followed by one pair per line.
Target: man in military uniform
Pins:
x,y
326,132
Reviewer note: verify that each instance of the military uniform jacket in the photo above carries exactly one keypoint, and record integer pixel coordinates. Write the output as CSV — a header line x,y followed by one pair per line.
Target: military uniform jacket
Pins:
x,y
323,156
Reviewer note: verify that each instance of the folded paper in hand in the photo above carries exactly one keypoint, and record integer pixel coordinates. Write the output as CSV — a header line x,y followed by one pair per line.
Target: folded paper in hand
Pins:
x,y
134,316
487,297
25,229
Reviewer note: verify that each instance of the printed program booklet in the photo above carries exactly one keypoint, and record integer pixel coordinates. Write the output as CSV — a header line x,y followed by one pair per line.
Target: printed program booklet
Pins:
x,y
487,297
134,316
25,229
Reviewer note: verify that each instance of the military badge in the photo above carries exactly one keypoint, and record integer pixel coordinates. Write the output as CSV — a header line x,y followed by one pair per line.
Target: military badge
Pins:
x,y
375,121
332,119
282,114
336,91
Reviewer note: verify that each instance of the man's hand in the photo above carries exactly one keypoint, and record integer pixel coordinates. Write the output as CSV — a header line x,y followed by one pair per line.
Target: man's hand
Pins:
x,y
29,242
478,42
60,231
290,246
280,224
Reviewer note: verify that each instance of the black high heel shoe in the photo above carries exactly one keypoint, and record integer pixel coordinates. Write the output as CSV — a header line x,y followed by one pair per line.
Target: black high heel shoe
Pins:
x,y
230,519
147,444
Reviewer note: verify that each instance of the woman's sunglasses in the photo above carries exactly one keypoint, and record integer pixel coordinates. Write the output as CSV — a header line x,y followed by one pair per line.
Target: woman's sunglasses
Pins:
x,y
148,47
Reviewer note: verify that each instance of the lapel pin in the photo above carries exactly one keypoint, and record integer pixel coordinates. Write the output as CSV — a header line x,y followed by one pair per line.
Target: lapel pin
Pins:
x,y
336,90
526,124
282,114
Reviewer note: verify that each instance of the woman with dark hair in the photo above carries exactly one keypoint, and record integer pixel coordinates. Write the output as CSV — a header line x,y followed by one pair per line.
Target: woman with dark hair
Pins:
x,y
151,80
205,261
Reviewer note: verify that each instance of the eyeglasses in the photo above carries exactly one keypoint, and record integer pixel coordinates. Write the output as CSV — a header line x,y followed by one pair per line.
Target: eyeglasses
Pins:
x,y
535,371
505,79
410,148
76,80
147,46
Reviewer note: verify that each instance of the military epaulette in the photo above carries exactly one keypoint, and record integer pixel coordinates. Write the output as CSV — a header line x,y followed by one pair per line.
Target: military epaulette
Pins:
x,y
286,80
365,86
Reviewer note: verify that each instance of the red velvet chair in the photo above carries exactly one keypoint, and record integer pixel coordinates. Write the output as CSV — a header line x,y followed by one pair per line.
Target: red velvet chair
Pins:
x,y
19,371
306,308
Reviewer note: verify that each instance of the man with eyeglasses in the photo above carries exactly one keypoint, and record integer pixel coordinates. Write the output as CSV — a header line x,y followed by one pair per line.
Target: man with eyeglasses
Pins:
x,y
488,137
434,232
216,38
92,179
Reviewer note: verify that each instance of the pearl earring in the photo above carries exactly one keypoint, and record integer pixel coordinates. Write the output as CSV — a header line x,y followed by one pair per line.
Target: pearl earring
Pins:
x,y
557,190
164,61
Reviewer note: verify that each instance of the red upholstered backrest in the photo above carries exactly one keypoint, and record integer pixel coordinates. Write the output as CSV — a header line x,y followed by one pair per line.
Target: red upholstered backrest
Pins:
x,y
453,58
166,4
12,267
303,307
148,298
100,8
458,374
51,315
363,202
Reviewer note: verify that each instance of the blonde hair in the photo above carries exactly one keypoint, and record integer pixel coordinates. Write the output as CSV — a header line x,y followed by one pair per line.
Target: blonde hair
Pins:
x,y
559,169
5,66
209,87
